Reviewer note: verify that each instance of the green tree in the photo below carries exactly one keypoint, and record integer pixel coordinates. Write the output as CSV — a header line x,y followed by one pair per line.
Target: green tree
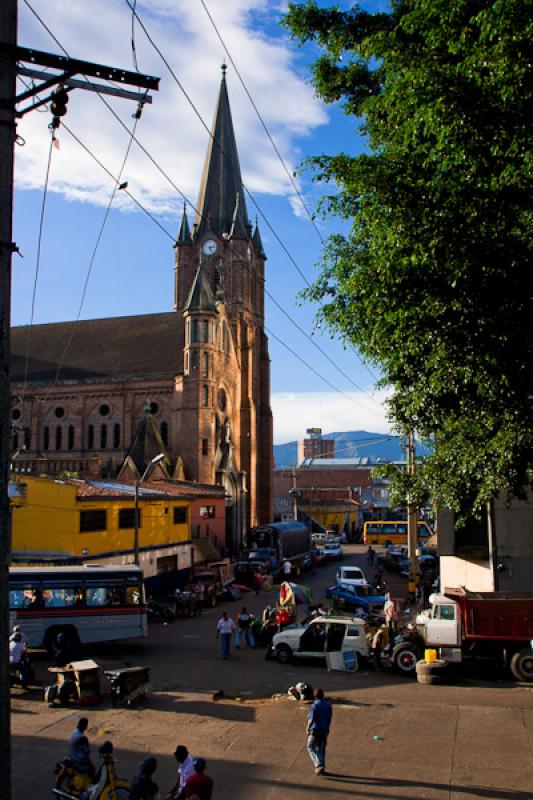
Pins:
x,y
434,283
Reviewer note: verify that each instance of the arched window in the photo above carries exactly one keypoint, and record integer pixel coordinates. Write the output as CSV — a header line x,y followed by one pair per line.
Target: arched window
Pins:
x,y
205,396
116,435
90,437
205,365
27,438
15,441
46,438
195,331
188,329
164,433
70,443
186,365
225,337
103,437
194,360
59,437
217,278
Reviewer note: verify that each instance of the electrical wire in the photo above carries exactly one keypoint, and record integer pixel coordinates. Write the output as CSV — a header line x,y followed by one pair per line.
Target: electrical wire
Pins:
x,y
263,123
37,264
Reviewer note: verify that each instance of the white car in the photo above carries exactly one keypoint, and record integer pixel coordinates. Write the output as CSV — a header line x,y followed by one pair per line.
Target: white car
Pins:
x,y
352,576
323,635
332,550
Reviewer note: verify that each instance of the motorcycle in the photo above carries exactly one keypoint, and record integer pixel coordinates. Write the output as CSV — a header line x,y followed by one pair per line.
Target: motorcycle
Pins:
x,y
159,612
73,785
127,684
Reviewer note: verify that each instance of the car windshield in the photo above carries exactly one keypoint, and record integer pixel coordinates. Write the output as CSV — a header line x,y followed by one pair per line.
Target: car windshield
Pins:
x,y
352,574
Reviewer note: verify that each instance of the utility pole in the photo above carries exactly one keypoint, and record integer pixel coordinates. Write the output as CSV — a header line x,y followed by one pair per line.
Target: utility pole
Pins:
x,y
412,523
10,57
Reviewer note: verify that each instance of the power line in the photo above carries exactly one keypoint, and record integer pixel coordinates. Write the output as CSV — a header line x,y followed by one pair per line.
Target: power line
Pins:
x,y
263,123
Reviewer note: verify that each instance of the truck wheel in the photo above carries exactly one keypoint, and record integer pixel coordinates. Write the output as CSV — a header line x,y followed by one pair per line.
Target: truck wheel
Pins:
x,y
405,657
284,654
522,665
432,673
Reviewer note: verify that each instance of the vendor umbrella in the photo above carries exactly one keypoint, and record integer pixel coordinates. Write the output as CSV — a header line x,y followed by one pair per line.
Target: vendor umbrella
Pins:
x,y
294,594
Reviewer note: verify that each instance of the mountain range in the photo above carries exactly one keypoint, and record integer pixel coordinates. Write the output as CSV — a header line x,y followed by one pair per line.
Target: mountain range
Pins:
x,y
352,444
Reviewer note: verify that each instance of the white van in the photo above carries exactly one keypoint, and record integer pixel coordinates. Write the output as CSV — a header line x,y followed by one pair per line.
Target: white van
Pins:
x,y
352,576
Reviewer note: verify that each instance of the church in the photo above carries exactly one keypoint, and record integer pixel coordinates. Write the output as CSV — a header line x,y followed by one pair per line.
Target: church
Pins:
x,y
199,374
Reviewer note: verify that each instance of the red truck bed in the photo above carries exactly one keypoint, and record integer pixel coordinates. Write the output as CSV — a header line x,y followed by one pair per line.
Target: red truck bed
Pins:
x,y
495,615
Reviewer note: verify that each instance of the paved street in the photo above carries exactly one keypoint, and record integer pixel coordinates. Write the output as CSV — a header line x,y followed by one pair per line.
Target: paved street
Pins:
x,y
470,740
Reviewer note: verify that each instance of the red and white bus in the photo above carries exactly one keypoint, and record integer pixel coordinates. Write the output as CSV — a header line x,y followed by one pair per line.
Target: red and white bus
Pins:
x,y
86,603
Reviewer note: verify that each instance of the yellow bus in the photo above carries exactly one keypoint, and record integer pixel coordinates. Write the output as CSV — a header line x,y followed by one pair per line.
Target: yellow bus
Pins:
x,y
392,532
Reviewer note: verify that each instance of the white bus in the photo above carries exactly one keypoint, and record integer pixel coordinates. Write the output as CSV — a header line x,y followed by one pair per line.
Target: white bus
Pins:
x,y
86,603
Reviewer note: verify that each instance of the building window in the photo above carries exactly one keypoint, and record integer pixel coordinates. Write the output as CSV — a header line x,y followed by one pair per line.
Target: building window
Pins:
x,y
104,410
205,365
59,412
180,515
205,447
46,438
207,512
15,414
195,330
188,332
70,437
205,396
27,438
126,517
15,441
186,363
103,437
90,437
166,564
194,360
205,331
225,337
93,521
164,433
116,435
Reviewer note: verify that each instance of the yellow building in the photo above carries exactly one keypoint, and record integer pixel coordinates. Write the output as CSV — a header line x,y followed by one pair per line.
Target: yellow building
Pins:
x,y
65,520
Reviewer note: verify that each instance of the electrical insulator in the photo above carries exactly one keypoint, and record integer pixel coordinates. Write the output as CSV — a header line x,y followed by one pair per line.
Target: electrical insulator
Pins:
x,y
58,106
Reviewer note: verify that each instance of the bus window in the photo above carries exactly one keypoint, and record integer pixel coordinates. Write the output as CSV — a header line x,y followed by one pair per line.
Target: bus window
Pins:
x,y
97,596
133,595
59,598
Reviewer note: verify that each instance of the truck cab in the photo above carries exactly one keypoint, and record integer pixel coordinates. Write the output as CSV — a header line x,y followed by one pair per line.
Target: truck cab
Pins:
x,y
440,625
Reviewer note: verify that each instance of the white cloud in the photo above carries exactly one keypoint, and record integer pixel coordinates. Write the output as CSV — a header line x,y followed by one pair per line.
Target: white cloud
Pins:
x,y
169,128
294,412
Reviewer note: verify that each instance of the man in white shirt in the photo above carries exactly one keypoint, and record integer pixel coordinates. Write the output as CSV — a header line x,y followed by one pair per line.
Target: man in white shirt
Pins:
x,y
287,569
185,770
225,627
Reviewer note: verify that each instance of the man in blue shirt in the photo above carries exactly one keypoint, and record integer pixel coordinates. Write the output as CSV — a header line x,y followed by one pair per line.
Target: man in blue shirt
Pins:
x,y
318,725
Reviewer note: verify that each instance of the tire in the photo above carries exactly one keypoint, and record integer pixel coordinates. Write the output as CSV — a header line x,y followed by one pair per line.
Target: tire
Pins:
x,y
284,654
405,657
522,665
121,792
432,673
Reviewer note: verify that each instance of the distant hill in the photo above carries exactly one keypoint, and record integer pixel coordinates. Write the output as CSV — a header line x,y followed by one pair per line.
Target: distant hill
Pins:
x,y
352,444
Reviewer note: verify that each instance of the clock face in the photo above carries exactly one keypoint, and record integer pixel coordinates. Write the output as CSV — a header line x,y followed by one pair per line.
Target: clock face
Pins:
x,y
209,247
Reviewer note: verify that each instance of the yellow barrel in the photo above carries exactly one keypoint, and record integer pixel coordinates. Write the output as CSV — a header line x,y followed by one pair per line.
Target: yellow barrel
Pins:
x,y
430,656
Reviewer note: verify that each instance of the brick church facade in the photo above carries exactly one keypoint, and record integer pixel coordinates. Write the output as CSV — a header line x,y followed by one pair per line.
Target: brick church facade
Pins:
x,y
201,372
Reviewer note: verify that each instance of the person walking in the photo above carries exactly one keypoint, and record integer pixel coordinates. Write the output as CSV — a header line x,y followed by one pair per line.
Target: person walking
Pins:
x,y
390,610
185,770
244,628
370,555
142,785
225,627
199,785
318,725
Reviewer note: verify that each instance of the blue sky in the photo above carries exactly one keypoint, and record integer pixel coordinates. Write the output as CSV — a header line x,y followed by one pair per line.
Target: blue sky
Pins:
x,y
133,268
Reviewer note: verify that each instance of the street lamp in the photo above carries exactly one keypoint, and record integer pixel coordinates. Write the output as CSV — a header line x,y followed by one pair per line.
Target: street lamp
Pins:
x,y
138,482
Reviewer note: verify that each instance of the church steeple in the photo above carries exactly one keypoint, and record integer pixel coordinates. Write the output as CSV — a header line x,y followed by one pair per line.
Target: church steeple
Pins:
x,y
257,241
221,203
184,233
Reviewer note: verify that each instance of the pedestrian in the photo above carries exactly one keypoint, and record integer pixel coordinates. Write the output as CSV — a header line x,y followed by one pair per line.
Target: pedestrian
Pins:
x,y
380,641
287,570
185,770
199,785
318,725
390,610
79,751
244,628
199,590
370,555
225,627
142,785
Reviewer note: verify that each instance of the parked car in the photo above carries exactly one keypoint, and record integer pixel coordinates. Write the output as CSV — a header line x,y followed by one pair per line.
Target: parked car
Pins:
x,y
354,597
319,538
429,565
323,635
394,561
264,554
332,551
353,576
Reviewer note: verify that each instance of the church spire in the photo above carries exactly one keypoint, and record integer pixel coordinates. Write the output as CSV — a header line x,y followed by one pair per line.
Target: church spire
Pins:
x,y
221,204
184,233
257,241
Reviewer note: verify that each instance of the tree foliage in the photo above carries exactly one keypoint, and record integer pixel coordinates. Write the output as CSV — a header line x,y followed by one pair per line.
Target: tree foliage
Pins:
x,y
434,282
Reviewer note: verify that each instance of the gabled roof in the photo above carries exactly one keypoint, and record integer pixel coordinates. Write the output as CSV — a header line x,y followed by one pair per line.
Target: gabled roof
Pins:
x,y
221,202
201,297
144,345
147,444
